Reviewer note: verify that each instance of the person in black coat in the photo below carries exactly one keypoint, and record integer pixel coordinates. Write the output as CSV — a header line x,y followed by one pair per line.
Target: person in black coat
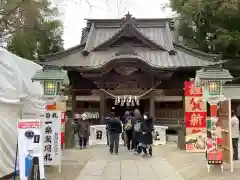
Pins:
x,y
114,130
146,137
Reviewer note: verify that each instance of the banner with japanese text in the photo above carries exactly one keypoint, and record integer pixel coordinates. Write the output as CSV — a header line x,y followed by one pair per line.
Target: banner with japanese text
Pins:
x,y
63,121
52,138
195,118
98,135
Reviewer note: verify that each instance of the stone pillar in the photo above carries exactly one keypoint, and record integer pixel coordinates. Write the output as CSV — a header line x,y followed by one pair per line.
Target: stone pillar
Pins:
x,y
152,108
102,107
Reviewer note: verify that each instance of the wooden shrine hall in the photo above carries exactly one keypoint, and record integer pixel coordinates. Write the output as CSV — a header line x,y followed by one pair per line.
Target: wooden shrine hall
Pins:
x,y
121,64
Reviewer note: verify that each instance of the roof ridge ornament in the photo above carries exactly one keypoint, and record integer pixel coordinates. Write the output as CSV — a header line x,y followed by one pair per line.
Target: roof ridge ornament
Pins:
x,y
129,20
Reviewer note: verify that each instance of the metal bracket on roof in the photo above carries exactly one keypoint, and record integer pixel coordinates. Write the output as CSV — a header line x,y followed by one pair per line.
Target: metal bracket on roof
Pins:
x,y
172,52
129,20
85,53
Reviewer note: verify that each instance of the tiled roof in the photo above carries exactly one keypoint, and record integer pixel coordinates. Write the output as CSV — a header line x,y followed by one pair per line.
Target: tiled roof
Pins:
x,y
214,73
99,36
155,58
156,31
52,74
161,36
84,35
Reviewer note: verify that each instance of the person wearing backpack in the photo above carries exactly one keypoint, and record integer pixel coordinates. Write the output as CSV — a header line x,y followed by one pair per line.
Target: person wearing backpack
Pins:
x,y
136,134
128,128
124,122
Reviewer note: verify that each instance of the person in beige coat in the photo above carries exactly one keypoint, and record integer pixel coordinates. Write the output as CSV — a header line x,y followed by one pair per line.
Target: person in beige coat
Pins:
x,y
235,135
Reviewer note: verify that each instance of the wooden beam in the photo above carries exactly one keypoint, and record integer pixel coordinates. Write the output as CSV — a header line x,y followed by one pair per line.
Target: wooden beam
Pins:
x,y
74,103
152,109
102,107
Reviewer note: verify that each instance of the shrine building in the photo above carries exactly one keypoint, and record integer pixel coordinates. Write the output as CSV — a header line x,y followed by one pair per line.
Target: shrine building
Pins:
x,y
121,64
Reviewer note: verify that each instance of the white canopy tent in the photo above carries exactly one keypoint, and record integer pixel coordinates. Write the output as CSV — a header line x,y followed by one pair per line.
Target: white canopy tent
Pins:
x,y
18,96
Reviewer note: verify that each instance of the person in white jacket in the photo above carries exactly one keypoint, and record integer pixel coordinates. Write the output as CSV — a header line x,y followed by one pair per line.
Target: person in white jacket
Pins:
x,y
235,135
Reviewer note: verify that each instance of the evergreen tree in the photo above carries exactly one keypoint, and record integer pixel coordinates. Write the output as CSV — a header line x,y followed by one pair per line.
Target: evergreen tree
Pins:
x,y
210,25
30,28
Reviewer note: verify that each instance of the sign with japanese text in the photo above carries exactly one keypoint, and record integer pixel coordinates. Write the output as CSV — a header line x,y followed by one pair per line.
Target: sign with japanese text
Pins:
x,y
195,104
195,118
52,138
30,146
59,106
63,121
191,90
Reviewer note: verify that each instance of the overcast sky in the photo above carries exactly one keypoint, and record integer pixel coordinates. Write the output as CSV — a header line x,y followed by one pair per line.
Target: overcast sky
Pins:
x,y
74,12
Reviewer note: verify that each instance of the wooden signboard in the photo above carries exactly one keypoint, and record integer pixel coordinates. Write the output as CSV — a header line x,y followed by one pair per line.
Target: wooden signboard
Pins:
x,y
224,117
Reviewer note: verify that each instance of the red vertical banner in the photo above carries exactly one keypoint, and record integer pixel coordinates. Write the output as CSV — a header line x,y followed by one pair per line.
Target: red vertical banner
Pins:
x,y
63,120
61,107
195,118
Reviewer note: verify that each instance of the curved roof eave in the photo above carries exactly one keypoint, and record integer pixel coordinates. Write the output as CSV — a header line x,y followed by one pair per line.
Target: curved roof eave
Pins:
x,y
124,59
61,54
208,56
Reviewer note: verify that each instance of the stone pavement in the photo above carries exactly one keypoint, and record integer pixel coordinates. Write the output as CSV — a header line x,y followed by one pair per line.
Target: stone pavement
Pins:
x,y
126,166
192,166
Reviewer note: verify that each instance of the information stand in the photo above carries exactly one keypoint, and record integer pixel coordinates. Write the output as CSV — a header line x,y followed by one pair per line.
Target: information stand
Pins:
x,y
219,141
225,119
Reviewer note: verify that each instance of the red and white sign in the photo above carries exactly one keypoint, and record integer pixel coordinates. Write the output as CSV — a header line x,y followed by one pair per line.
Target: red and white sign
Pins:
x,y
29,124
63,120
195,118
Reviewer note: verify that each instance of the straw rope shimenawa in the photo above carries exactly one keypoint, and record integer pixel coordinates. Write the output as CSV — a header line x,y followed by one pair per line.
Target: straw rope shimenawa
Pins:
x,y
139,96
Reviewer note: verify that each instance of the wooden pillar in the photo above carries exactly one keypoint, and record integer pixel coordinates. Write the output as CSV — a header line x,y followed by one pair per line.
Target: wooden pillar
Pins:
x,y
74,103
152,101
152,108
182,128
102,107
69,136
